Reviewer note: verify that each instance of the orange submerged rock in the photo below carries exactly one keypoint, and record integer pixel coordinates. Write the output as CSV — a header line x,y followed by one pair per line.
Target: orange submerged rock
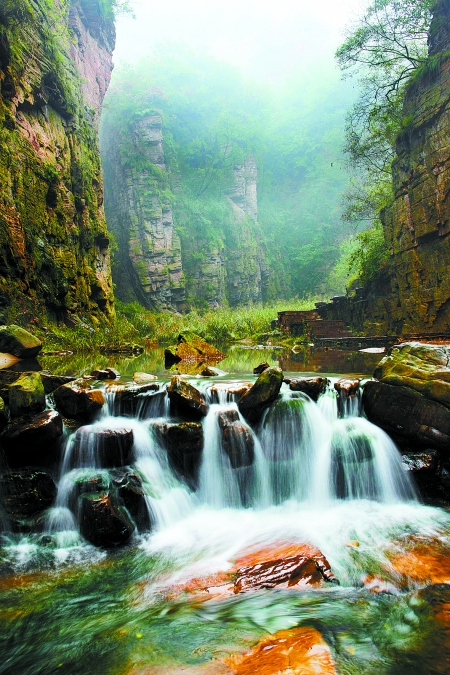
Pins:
x,y
301,651
424,563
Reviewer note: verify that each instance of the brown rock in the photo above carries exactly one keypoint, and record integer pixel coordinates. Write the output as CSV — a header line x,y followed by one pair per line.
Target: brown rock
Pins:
x,y
26,493
404,412
100,375
128,397
234,390
192,347
113,373
299,651
312,386
112,447
259,369
291,571
52,382
24,440
346,387
78,401
103,522
131,491
143,378
265,390
239,444
184,444
186,399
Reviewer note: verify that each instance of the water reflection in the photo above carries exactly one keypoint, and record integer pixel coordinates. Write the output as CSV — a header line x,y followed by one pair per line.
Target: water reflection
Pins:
x,y
239,361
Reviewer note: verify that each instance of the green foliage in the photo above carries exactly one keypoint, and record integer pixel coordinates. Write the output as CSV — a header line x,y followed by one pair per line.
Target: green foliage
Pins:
x,y
385,50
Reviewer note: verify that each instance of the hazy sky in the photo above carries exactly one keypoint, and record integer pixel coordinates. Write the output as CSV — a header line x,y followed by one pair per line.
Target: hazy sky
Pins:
x,y
264,38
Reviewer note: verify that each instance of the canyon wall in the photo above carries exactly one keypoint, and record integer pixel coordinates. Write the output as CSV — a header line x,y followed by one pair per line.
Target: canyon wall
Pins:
x,y
412,293
165,259
55,67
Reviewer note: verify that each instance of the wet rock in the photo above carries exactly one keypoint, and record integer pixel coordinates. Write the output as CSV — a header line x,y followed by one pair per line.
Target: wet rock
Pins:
x,y
261,368
239,444
103,522
131,491
7,377
227,417
208,372
26,395
100,374
144,378
29,441
185,399
421,367
192,347
184,444
405,413
3,415
346,387
299,651
233,391
19,342
129,397
112,373
265,390
52,382
426,462
110,447
78,401
85,483
285,572
312,386
26,493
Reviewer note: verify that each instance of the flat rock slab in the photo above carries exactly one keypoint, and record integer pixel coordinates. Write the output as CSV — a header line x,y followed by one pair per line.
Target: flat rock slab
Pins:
x,y
300,651
422,367
19,342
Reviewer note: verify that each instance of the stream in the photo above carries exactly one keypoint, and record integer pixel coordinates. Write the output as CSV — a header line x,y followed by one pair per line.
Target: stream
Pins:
x,y
161,605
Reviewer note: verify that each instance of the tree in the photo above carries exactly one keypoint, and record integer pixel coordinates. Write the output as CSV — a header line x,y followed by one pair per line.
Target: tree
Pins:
x,y
383,50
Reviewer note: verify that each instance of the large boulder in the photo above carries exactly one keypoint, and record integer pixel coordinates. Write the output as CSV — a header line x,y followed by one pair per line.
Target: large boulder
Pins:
x,y
52,382
26,395
192,347
24,494
237,440
104,522
27,442
312,386
107,448
183,442
421,367
78,401
185,399
19,342
264,391
404,412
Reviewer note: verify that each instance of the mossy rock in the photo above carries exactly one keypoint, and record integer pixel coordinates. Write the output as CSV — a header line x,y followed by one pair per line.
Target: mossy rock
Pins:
x,y
26,395
421,367
19,342
192,347
265,390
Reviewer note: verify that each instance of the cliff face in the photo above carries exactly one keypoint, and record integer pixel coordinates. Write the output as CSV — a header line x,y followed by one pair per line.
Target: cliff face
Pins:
x,y
148,263
55,67
158,266
413,293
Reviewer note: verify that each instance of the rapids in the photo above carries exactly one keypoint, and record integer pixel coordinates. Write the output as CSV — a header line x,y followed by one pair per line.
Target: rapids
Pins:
x,y
334,483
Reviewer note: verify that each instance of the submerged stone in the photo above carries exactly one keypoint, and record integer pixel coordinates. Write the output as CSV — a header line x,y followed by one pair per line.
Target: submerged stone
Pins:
x,y
239,444
186,399
78,401
26,395
264,391
29,441
103,522
19,342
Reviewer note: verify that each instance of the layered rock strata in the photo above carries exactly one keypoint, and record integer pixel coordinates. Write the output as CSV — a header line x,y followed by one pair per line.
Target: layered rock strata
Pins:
x,y
55,66
412,294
